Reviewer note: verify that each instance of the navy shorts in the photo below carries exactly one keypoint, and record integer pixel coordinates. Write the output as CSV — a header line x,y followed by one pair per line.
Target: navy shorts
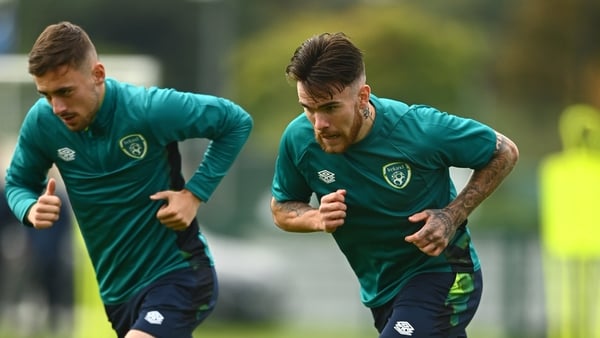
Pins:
x,y
172,306
431,305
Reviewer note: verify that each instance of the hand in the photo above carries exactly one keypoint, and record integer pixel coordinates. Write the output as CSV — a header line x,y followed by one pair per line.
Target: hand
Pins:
x,y
46,210
436,233
179,210
333,210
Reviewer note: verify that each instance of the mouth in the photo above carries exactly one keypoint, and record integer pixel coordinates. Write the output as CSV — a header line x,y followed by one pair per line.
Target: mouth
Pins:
x,y
329,140
329,136
68,118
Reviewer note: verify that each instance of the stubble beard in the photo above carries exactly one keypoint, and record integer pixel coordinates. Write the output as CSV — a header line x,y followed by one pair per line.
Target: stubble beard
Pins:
x,y
88,119
345,140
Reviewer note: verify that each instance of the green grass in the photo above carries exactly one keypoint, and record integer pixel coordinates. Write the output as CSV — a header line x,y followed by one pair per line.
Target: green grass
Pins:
x,y
229,330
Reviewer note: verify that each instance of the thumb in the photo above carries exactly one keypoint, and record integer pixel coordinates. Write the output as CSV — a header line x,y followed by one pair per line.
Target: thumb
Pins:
x,y
418,217
50,187
161,195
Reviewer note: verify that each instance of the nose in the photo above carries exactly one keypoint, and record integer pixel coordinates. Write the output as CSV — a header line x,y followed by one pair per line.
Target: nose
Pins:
x,y
58,105
321,121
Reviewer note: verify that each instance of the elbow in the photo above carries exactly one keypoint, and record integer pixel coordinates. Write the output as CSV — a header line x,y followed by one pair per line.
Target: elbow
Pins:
x,y
278,218
281,223
513,152
278,223
275,218
507,151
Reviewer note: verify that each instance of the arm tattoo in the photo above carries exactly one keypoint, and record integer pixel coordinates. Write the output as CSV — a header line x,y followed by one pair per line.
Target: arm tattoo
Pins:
x,y
298,208
484,181
449,227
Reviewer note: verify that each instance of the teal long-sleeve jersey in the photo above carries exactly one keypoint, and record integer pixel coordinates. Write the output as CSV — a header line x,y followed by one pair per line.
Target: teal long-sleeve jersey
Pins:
x,y
128,153
400,168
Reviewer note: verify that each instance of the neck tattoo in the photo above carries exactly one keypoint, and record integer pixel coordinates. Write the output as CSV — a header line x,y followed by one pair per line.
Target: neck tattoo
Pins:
x,y
366,112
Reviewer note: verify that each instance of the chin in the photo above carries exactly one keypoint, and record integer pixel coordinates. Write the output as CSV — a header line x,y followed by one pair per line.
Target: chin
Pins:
x,y
333,149
74,128
338,146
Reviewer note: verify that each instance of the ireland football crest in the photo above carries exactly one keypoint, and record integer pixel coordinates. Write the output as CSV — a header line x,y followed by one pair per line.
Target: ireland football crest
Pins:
x,y
134,146
397,174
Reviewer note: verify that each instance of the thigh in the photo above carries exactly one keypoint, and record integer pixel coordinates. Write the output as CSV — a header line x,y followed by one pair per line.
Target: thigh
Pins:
x,y
172,306
432,305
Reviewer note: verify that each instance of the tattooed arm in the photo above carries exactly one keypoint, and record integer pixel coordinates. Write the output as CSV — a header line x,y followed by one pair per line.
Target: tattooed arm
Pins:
x,y
301,217
441,224
484,181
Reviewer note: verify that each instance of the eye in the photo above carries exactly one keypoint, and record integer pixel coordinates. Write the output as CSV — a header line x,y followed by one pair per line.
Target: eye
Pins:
x,y
308,111
47,97
64,92
330,109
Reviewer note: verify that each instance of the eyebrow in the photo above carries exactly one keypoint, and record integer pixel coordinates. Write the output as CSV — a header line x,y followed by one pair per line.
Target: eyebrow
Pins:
x,y
57,91
325,105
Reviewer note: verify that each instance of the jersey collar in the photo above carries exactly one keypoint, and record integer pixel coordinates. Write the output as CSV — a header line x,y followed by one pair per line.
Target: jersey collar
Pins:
x,y
104,116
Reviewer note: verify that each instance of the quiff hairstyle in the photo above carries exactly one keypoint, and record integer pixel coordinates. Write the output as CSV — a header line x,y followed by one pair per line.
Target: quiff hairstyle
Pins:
x,y
58,45
326,64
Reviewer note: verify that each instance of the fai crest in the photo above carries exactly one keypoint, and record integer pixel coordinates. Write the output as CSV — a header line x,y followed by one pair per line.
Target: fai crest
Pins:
x,y
397,174
134,146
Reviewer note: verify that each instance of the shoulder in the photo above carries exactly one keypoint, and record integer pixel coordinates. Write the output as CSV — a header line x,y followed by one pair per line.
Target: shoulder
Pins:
x,y
413,115
433,121
298,131
40,109
389,105
392,111
127,92
140,101
297,136
141,95
41,116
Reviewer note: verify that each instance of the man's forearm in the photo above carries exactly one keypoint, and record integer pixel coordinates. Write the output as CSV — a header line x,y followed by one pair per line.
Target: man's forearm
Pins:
x,y
295,216
484,181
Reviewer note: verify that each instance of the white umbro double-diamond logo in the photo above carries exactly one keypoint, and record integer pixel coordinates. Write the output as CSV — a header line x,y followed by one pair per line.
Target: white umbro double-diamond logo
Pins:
x,y
154,317
326,176
404,328
66,154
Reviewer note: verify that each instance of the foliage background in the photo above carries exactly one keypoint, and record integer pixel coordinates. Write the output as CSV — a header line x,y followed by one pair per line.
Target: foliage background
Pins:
x,y
512,64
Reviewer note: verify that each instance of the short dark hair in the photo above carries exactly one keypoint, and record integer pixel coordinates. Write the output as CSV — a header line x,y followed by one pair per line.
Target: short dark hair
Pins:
x,y
60,44
326,64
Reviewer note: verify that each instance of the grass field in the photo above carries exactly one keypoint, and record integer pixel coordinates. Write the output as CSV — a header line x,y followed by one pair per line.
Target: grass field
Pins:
x,y
225,330
291,331
228,330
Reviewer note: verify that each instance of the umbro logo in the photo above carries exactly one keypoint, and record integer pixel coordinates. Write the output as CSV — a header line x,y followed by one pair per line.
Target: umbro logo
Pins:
x,y
326,176
404,328
66,154
154,317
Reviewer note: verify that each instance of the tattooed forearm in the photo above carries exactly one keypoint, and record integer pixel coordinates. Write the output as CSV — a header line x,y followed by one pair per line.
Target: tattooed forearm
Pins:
x,y
484,181
295,216
298,208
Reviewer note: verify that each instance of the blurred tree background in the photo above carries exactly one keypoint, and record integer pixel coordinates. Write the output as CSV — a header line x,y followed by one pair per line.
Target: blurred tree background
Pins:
x,y
512,64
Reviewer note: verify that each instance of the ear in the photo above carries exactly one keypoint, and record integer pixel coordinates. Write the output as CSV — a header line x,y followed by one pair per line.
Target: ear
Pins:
x,y
364,94
99,73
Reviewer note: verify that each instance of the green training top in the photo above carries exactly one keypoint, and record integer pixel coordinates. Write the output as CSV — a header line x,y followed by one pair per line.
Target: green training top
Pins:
x,y
128,153
400,168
